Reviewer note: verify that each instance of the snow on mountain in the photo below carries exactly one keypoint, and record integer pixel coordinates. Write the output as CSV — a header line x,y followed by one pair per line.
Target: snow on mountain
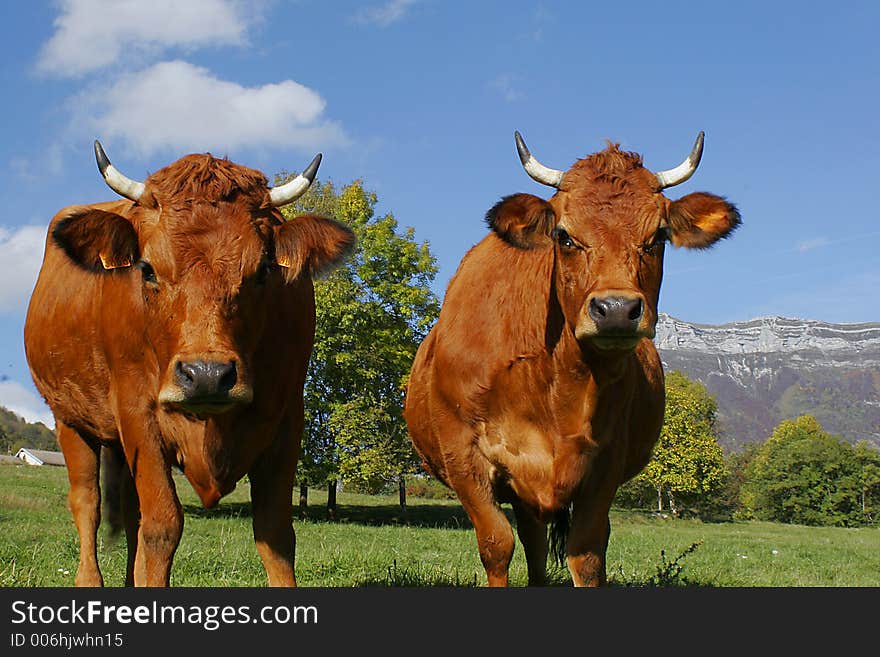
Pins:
x,y
768,369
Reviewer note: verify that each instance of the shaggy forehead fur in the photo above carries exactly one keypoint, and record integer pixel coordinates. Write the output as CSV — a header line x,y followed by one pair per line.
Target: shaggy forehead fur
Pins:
x,y
203,177
621,169
214,215
611,182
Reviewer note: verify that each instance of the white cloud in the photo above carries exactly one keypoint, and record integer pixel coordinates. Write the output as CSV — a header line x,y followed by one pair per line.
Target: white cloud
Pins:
x,y
93,34
542,19
22,401
809,245
176,105
384,15
505,85
48,162
21,254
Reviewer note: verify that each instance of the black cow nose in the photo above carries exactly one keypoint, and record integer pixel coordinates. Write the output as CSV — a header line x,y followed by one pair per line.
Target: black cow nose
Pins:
x,y
201,379
616,314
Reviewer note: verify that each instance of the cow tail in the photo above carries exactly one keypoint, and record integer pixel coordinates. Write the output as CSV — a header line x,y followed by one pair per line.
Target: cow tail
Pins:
x,y
560,525
112,464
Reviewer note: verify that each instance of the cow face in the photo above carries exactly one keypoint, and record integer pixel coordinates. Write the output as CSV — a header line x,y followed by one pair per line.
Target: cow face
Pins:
x,y
608,226
209,256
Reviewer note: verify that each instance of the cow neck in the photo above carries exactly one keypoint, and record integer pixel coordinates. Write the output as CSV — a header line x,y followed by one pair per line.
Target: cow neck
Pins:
x,y
584,380
204,456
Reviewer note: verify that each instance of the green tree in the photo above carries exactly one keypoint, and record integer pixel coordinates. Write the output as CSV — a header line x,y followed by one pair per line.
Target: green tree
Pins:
x,y
803,475
16,432
868,464
372,314
687,464
736,463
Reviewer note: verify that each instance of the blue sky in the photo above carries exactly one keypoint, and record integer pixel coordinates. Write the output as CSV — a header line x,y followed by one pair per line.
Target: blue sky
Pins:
x,y
420,99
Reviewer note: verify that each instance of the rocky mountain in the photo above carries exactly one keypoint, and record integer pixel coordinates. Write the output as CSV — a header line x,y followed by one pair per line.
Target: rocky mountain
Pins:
x,y
769,369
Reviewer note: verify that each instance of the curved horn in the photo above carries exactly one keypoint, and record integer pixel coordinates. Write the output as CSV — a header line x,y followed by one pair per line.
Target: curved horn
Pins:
x,y
538,172
126,187
684,170
292,190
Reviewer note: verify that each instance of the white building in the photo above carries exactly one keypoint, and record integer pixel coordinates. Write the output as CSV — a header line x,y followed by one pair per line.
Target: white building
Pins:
x,y
40,457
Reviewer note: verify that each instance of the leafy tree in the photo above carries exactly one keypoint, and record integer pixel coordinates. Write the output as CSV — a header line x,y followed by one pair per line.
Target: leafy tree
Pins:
x,y
16,432
803,475
687,465
637,493
736,463
868,464
372,314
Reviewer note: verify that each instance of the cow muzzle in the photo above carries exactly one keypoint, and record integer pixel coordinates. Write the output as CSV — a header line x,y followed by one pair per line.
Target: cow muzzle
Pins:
x,y
614,321
205,387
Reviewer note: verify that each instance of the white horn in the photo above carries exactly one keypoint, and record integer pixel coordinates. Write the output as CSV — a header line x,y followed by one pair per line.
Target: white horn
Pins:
x,y
684,170
292,190
538,172
122,185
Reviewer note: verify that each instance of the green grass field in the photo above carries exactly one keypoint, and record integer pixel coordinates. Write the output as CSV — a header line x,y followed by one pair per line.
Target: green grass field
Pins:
x,y
373,545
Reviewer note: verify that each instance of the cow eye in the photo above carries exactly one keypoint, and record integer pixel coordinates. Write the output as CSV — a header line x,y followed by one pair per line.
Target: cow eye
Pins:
x,y
661,236
263,273
147,272
563,238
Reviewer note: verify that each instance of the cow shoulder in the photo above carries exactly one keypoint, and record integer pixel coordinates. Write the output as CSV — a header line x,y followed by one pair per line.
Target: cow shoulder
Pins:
x,y
494,315
95,239
310,245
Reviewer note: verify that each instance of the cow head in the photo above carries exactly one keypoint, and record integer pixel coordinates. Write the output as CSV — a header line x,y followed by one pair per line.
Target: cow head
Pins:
x,y
608,225
210,255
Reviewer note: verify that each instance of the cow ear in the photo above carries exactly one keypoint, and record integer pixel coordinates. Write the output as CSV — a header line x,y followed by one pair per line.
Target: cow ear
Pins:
x,y
96,240
522,220
698,220
311,245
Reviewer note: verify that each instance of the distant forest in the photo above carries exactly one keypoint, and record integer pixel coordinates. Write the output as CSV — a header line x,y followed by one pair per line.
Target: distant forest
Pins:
x,y
16,432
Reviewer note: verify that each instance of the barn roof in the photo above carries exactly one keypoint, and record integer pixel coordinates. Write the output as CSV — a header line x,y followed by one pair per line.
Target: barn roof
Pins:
x,y
45,457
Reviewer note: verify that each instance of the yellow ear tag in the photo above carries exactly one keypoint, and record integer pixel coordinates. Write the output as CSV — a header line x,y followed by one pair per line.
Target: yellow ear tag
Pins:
x,y
282,260
109,264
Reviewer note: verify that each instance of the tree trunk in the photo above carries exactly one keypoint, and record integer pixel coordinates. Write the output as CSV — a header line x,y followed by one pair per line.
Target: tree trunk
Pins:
x,y
659,499
303,500
672,508
401,492
331,499
401,497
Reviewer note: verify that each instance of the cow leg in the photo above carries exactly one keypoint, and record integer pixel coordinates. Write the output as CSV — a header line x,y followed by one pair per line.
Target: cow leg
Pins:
x,y
131,521
590,528
161,526
532,533
83,466
161,516
587,546
494,539
120,502
272,478
494,533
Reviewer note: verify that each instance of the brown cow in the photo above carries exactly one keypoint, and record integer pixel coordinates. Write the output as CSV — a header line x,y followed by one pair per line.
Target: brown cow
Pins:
x,y
539,384
174,328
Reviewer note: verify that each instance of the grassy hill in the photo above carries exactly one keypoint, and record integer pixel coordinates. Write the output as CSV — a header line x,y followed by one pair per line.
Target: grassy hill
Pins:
x,y
374,545
16,432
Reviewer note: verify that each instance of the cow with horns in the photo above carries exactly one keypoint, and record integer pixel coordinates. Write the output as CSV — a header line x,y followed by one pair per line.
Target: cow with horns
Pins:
x,y
539,384
174,328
